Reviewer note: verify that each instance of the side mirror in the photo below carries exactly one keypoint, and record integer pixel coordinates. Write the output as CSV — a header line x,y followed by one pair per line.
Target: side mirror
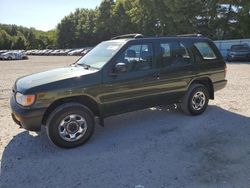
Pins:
x,y
120,68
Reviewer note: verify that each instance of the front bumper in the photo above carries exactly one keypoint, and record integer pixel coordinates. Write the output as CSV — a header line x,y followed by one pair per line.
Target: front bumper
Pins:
x,y
219,85
27,118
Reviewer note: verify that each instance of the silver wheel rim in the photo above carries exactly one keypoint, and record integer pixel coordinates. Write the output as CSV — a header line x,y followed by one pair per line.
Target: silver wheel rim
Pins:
x,y
198,100
72,127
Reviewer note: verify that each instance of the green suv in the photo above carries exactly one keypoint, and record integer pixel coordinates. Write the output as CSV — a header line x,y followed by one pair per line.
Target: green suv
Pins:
x,y
127,73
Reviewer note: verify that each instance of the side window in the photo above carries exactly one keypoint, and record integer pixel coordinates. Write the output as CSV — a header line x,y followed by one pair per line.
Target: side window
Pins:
x,y
165,48
137,57
165,54
174,54
205,50
185,54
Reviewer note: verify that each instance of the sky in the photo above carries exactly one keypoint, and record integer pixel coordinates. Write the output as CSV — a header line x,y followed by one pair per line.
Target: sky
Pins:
x,y
43,15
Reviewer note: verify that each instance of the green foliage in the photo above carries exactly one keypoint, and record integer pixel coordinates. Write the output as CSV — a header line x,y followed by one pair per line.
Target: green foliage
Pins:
x,y
19,41
217,19
77,29
18,37
5,40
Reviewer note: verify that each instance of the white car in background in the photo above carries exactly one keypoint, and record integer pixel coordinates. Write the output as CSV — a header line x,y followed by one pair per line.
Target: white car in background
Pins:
x,y
76,52
13,56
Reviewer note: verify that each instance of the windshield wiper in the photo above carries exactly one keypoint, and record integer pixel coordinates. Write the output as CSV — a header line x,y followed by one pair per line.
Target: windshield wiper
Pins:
x,y
85,66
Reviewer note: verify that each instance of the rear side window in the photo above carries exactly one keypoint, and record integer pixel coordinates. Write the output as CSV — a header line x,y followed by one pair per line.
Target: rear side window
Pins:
x,y
205,50
174,54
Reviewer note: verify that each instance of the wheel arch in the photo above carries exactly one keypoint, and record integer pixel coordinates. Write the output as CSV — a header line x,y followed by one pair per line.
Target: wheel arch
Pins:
x,y
206,81
84,100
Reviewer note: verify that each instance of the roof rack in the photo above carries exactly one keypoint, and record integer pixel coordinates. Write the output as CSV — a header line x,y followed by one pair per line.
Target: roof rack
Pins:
x,y
135,36
190,35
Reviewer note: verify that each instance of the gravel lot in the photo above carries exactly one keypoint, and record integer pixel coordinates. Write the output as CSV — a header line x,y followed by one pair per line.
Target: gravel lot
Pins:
x,y
152,148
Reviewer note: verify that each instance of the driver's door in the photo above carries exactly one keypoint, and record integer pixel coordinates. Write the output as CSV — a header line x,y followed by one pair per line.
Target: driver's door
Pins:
x,y
135,88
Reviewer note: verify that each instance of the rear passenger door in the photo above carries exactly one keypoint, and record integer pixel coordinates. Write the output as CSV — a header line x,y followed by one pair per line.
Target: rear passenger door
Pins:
x,y
176,68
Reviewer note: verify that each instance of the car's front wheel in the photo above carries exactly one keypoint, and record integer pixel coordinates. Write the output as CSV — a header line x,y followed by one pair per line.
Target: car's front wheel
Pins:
x,y
196,100
70,125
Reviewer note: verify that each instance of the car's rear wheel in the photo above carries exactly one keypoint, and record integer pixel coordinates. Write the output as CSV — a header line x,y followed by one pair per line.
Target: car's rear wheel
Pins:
x,y
70,125
196,100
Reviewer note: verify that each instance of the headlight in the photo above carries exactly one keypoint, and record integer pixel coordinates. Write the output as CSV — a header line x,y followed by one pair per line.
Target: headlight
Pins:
x,y
25,100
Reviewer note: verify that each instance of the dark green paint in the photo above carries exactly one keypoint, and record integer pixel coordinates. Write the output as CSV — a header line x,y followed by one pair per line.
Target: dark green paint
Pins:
x,y
115,94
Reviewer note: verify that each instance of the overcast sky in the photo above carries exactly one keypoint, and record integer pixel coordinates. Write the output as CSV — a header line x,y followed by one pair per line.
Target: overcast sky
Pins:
x,y
40,14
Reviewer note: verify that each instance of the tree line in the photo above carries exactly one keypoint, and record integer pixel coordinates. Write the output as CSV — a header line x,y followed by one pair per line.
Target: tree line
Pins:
x,y
18,37
217,19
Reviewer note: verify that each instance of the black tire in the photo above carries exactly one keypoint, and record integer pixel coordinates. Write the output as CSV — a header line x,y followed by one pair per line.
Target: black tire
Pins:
x,y
187,104
9,58
59,114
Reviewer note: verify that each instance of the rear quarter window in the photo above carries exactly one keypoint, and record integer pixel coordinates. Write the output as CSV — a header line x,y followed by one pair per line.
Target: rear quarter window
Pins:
x,y
205,50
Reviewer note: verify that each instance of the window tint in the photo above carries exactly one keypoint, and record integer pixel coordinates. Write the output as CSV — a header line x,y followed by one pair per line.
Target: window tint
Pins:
x,y
205,50
174,54
137,57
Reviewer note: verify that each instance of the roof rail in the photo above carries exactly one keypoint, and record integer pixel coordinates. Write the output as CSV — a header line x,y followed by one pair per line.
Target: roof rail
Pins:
x,y
135,36
190,35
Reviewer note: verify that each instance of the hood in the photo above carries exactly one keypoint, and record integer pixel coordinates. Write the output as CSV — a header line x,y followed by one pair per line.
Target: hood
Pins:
x,y
51,76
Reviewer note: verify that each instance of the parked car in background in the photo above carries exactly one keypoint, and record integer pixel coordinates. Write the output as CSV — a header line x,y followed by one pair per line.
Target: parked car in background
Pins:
x,y
42,52
55,52
239,52
13,56
23,56
63,52
3,51
28,52
76,52
67,51
48,52
34,52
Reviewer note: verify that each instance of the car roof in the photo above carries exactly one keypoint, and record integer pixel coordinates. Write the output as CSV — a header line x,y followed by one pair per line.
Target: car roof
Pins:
x,y
163,38
140,37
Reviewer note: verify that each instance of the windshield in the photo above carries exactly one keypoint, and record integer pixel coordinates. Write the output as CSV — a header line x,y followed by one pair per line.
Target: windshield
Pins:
x,y
101,54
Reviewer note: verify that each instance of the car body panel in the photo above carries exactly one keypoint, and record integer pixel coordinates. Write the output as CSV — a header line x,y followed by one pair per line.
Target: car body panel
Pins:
x,y
24,84
125,92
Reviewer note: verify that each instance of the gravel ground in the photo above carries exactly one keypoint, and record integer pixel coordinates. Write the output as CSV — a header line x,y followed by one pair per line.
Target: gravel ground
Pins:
x,y
151,148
